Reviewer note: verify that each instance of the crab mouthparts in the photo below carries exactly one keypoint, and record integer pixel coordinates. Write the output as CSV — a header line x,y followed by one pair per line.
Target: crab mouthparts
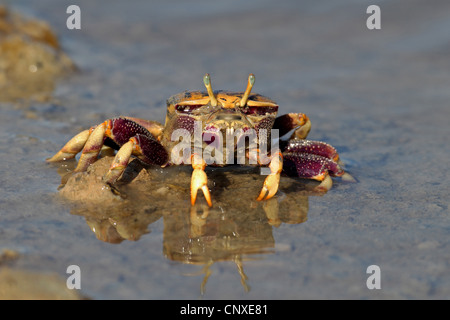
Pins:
x,y
229,117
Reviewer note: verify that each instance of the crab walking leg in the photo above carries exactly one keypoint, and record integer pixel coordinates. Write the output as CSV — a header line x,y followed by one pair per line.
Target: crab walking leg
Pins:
x,y
120,162
92,147
273,179
199,179
72,147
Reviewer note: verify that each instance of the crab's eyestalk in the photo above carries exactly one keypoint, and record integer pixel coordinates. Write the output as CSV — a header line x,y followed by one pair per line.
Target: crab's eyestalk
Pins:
x,y
212,97
250,83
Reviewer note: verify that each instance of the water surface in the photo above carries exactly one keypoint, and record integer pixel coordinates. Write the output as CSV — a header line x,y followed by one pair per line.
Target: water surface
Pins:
x,y
380,96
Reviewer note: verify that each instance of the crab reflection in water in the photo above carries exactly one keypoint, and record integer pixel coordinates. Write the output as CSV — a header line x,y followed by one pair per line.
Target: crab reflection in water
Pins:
x,y
237,228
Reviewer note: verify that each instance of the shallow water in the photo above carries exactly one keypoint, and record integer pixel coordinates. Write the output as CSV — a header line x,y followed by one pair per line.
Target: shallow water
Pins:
x,y
380,96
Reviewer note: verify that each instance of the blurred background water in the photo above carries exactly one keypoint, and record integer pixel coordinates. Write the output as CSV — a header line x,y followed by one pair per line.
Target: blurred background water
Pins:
x,y
380,96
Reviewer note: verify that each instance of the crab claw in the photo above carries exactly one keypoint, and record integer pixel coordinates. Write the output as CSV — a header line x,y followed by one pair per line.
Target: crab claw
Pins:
x,y
270,187
272,181
326,182
298,121
199,180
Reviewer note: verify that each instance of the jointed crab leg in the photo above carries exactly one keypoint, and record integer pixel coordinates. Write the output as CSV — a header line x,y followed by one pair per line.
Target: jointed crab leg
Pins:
x,y
92,147
273,179
132,136
120,161
199,179
72,147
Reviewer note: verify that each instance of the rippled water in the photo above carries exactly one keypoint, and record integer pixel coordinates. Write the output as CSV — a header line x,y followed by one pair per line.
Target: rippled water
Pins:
x,y
380,96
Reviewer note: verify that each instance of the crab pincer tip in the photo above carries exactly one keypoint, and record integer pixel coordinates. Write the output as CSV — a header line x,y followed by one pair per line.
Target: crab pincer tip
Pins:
x,y
347,177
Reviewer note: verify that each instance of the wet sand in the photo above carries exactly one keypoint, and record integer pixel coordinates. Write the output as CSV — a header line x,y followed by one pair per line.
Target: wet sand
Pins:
x,y
381,97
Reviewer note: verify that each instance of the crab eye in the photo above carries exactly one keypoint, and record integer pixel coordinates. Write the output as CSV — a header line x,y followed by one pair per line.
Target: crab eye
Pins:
x,y
188,108
260,111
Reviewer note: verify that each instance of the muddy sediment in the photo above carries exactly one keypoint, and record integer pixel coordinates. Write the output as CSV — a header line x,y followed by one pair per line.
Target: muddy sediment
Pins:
x,y
31,58
20,284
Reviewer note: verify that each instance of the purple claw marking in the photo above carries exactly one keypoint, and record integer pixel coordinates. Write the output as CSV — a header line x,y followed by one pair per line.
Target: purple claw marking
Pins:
x,y
122,129
311,166
152,152
319,148
185,122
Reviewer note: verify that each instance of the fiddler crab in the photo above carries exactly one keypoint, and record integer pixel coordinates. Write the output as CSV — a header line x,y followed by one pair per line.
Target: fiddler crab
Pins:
x,y
201,120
